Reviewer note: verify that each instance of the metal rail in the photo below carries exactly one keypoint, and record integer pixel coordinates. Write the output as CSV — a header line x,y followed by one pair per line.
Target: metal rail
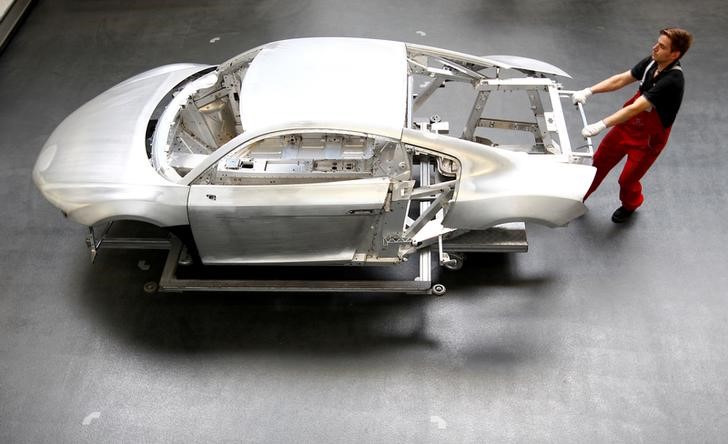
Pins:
x,y
10,18
169,282
589,144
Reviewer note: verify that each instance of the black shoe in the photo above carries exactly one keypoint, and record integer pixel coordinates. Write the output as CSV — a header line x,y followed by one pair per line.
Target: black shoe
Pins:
x,y
621,215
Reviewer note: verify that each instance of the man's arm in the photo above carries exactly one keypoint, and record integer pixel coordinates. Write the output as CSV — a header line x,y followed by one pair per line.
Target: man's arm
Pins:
x,y
624,114
613,83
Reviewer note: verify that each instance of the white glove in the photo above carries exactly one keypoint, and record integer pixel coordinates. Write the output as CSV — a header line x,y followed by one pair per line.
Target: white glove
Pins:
x,y
581,96
593,129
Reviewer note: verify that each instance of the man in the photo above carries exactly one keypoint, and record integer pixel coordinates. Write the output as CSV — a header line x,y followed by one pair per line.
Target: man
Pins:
x,y
641,128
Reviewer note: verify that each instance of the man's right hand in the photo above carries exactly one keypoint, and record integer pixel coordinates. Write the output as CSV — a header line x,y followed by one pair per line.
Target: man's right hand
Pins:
x,y
581,96
593,129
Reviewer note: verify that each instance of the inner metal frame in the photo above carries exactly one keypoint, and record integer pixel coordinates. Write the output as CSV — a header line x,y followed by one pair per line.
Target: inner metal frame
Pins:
x,y
548,128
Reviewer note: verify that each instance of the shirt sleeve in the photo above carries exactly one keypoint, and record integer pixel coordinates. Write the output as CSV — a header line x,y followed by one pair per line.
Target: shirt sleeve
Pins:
x,y
639,69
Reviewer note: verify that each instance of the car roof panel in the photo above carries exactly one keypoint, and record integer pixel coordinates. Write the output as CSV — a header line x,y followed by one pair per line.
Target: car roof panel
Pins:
x,y
354,81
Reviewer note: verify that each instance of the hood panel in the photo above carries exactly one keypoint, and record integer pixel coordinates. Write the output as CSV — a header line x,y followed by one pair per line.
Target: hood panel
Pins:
x,y
94,166
103,141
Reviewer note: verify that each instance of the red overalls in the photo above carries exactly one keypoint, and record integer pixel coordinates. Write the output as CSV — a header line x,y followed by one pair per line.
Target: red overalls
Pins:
x,y
641,139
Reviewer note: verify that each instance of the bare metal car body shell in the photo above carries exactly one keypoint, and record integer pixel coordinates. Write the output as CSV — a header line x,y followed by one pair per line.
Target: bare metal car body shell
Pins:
x,y
95,165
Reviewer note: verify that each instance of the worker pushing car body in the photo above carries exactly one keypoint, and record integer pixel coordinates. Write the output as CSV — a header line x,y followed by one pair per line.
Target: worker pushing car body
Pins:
x,y
641,128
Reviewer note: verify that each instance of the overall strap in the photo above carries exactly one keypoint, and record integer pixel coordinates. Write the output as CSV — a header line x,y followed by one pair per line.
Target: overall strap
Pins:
x,y
644,76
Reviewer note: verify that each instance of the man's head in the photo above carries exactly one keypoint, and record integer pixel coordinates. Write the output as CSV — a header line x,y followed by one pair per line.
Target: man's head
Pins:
x,y
671,45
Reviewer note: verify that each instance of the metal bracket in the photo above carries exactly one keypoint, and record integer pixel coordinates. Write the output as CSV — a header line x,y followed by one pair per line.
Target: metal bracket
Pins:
x,y
95,242
445,260
475,113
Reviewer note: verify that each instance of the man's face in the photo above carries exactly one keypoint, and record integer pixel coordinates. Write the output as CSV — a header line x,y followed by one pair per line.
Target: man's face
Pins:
x,y
662,51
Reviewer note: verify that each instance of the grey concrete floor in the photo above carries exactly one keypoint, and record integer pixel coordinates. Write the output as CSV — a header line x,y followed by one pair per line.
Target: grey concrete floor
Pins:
x,y
600,333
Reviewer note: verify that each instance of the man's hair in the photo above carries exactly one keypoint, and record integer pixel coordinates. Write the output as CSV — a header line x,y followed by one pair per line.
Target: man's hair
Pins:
x,y
680,39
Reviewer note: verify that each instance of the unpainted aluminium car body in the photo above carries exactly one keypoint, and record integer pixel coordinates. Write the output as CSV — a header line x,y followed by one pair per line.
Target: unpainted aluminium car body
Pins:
x,y
308,151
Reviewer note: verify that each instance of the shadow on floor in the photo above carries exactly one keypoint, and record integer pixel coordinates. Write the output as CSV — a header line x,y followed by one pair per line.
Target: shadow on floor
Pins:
x,y
112,294
484,270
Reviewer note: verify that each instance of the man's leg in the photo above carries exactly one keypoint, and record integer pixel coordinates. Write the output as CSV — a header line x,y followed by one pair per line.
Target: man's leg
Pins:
x,y
609,153
630,188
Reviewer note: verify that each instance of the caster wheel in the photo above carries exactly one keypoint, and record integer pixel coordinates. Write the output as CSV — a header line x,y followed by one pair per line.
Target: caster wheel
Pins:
x,y
150,287
438,289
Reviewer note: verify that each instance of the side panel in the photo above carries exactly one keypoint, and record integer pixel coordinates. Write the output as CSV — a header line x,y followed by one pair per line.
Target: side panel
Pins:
x,y
498,186
298,224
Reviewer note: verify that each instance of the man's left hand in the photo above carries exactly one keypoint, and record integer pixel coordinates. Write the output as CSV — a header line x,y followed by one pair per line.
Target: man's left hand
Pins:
x,y
593,129
581,96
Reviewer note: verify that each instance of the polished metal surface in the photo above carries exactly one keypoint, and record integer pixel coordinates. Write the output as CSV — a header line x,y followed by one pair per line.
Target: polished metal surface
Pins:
x,y
498,186
351,81
94,165
531,66
526,64
311,223
315,166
